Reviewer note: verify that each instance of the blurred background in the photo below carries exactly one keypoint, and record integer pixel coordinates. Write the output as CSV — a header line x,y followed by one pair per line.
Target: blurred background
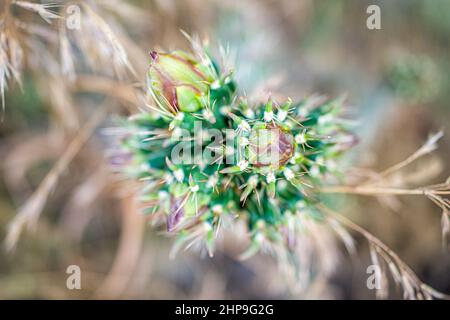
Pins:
x,y
397,82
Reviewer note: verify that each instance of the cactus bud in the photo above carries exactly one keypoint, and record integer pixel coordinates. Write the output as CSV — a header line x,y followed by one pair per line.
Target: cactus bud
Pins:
x,y
179,82
270,146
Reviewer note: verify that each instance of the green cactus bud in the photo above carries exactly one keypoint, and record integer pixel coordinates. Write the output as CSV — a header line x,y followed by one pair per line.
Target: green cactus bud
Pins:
x,y
179,81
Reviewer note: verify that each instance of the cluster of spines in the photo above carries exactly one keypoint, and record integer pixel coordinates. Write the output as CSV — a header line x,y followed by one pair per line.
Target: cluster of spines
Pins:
x,y
195,198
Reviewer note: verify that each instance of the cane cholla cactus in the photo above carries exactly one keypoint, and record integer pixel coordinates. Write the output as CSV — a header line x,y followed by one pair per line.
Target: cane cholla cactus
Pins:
x,y
256,162
207,156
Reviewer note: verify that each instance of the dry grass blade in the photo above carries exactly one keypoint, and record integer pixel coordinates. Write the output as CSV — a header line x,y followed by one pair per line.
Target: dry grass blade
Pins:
x,y
374,190
11,58
30,212
67,63
4,67
413,287
429,146
445,223
108,87
380,273
119,55
126,10
128,252
343,234
41,9
63,105
381,186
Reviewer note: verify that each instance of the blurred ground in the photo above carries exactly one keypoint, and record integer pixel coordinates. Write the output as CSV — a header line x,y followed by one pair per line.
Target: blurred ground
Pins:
x,y
397,81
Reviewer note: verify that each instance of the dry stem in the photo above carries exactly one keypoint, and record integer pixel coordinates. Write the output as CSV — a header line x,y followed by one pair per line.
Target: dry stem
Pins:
x,y
29,213
385,252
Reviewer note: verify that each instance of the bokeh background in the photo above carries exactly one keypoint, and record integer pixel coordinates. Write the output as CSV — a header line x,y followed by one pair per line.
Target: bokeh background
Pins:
x,y
397,82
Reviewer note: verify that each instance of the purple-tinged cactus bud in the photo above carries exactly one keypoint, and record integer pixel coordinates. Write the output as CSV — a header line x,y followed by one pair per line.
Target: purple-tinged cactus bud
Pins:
x,y
270,146
179,82
176,213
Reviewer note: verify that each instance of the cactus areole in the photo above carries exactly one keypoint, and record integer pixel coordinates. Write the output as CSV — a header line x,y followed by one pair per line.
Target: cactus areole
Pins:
x,y
271,146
